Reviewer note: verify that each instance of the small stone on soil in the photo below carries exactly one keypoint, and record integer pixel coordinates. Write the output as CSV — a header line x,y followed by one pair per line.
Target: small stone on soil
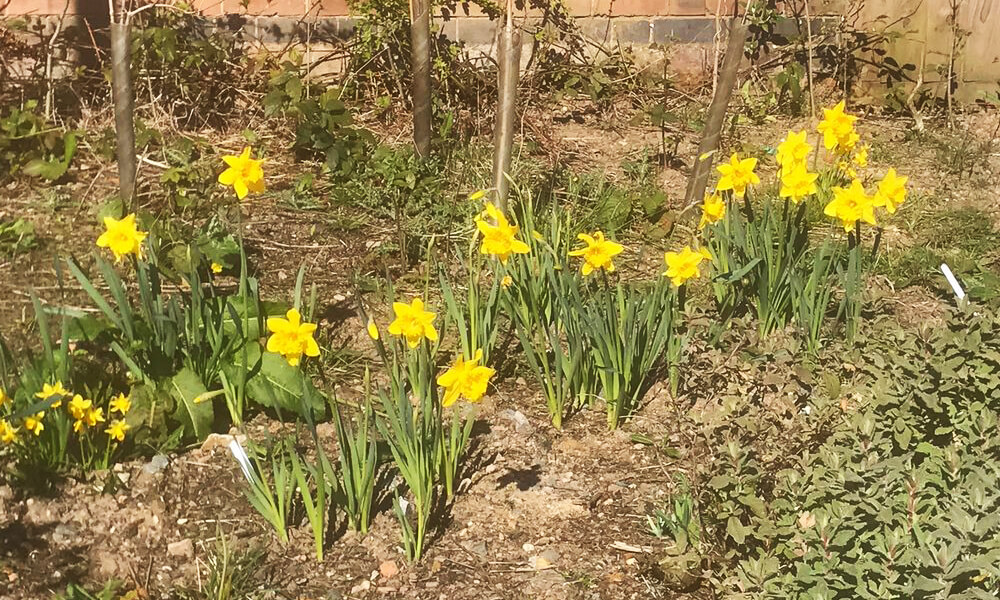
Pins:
x,y
183,548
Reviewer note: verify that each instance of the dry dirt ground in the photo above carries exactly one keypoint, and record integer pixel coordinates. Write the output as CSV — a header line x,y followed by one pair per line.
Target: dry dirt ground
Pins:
x,y
543,514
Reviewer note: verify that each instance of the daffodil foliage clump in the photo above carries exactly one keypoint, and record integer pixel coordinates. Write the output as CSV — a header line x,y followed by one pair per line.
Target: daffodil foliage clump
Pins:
x,y
760,242
887,486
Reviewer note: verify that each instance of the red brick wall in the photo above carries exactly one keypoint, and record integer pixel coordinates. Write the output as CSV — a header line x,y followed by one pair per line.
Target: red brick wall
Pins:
x,y
325,8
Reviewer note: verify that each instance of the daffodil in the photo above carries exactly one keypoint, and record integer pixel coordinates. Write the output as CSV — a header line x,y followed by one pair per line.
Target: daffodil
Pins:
x,y
851,205
8,433
793,150
33,423
79,406
216,268
122,237
413,322
861,156
244,174
120,404
713,209
684,265
372,329
90,418
476,195
598,253
291,338
891,191
4,398
506,281
117,429
736,175
466,379
797,184
53,390
837,128
500,239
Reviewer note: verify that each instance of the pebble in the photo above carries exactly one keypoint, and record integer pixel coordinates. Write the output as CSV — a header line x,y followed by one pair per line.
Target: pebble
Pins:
x,y
156,464
183,548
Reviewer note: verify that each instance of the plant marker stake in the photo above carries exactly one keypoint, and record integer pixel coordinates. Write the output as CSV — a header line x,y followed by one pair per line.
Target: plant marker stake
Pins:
x,y
955,286
241,457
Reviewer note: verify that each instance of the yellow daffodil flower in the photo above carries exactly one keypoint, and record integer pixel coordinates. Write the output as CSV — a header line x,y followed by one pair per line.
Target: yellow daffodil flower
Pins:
x,y
861,156
851,205
216,268
56,389
500,240
413,322
117,429
78,407
122,237
4,398
683,265
598,253
244,174
793,151
713,209
8,433
291,337
506,281
91,418
891,191
466,379
737,175
120,404
476,195
797,184
33,423
837,128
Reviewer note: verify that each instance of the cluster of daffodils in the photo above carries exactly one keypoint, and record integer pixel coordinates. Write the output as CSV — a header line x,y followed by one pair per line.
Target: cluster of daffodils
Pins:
x,y
465,378
597,252
83,411
851,203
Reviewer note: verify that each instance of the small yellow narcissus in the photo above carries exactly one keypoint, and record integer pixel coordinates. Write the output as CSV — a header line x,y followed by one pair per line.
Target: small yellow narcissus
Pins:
x,y
91,418
598,253
737,175
506,281
117,429
56,389
78,407
861,156
372,329
500,240
466,379
837,128
122,237
413,322
891,191
120,404
683,265
244,174
851,205
8,434
291,337
797,184
33,423
216,268
793,151
713,209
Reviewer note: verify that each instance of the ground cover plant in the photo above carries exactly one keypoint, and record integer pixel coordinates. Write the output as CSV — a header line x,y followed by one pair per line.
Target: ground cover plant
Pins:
x,y
306,362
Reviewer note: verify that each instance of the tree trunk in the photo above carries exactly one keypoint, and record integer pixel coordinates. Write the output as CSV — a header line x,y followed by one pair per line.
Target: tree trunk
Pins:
x,y
716,114
124,101
420,62
509,63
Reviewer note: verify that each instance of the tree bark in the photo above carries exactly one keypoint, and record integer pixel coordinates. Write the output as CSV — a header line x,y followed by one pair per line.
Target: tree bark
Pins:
x,y
509,63
716,114
124,101
420,62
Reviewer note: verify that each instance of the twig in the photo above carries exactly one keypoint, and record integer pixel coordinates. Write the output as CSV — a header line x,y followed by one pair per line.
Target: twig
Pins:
x,y
809,60
49,92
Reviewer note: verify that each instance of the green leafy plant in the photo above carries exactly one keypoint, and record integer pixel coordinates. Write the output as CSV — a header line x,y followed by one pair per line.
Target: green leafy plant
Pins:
x,y
30,144
16,237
